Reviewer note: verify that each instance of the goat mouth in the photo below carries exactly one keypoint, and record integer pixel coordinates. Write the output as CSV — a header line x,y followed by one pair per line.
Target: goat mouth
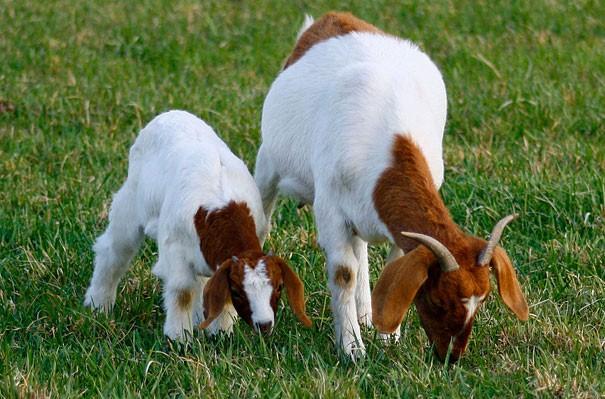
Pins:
x,y
449,357
264,328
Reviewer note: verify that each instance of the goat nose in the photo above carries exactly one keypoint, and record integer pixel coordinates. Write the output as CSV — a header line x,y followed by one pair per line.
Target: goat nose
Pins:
x,y
265,327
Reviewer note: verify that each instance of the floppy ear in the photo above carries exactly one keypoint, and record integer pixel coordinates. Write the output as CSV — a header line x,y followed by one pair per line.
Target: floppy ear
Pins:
x,y
397,287
508,286
296,293
216,293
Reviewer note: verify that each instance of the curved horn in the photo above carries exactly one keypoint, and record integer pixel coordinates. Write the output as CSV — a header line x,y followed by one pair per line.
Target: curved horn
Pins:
x,y
486,255
444,256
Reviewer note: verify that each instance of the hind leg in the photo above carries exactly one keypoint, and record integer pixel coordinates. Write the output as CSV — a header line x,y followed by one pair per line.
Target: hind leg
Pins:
x,y
114,250
266,179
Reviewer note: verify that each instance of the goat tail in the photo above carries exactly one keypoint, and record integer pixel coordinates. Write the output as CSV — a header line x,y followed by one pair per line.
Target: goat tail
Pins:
x,y
306,24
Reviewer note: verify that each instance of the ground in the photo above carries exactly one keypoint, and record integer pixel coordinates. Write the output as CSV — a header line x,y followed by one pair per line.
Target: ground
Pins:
x,y
525,133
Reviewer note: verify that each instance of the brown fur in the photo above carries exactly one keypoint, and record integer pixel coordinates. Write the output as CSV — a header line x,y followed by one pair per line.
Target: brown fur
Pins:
x,y
184,299
236,282
343,276
396,289
438,301
406,199
226,232
328,26
230,277
230,232
216,294
296,293
508,285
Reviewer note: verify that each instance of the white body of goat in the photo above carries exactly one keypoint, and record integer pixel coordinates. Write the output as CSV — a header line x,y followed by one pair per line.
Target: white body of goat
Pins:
x,y
328,127
176,165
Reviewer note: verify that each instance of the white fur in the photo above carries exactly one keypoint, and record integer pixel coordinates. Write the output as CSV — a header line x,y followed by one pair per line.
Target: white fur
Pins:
x,y
472,305
258,289
328,126
176,165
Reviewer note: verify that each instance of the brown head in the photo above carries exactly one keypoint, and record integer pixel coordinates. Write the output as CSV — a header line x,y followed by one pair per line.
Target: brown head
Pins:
x,y
251,280
253,283
448,286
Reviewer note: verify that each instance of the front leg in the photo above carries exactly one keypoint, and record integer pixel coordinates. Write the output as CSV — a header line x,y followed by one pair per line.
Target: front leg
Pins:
x,y
342,275
181,288
343,267
363,295
394,253
223,323
392,337
178,302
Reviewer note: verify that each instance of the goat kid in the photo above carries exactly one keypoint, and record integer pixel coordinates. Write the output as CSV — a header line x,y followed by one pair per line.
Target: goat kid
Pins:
x,y
353,125
186,190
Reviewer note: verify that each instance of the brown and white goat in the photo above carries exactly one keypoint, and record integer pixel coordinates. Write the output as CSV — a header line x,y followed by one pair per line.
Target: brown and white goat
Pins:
x,y
187,190
447,276
353,125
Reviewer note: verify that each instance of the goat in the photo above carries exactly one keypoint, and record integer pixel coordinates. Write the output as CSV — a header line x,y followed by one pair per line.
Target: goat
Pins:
x,y
353,125
186,190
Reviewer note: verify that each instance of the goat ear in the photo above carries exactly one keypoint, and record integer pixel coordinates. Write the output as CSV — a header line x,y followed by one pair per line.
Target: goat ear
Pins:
x,y
397,287
508,285
296,293
216,293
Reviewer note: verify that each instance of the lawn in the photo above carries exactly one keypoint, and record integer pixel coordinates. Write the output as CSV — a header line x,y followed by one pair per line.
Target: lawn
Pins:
x,y
525,133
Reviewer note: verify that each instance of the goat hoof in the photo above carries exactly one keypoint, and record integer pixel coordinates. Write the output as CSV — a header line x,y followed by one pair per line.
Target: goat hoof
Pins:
x,y
99,303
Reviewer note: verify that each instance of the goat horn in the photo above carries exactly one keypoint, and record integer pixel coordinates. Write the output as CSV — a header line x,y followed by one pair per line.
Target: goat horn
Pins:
x,y
444,256
486,255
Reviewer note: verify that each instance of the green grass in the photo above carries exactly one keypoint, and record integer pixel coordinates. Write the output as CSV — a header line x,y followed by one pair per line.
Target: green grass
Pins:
x,y
526,133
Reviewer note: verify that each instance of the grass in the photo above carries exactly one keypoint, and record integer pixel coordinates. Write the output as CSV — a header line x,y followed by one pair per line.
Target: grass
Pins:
x,y
526,133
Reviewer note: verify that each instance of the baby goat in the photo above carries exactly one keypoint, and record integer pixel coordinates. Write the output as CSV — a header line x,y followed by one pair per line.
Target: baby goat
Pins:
x,y
353,125
187,191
